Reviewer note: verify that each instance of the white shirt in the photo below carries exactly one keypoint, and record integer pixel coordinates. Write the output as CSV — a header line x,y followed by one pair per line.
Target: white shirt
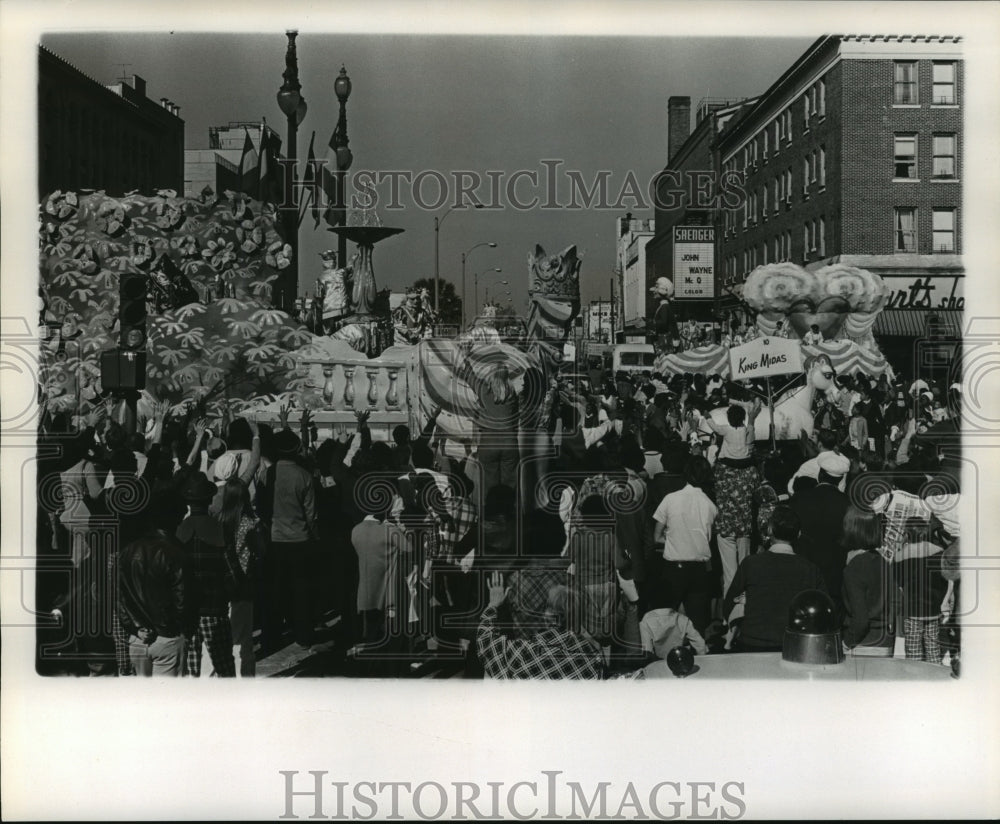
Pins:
x,y
688,515
810,469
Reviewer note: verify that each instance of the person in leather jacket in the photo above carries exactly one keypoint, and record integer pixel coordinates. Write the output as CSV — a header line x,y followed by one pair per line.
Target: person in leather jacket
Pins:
x,y
153,604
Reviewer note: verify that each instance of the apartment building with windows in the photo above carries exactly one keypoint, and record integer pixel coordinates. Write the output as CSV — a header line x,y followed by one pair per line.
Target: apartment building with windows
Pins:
x,y
854,155
104,136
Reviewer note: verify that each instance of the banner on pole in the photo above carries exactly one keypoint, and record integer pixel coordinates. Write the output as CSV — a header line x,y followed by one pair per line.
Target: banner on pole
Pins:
x,y
765,356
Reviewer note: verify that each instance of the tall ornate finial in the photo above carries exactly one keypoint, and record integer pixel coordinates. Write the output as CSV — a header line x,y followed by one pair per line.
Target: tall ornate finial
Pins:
x,y
291,73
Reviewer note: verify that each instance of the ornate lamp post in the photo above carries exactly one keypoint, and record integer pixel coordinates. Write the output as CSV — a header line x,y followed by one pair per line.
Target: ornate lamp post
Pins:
x,y
465,254
293,106
342,88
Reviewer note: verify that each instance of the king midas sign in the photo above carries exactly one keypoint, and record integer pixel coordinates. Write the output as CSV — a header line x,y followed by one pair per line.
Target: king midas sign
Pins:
x,y
765,356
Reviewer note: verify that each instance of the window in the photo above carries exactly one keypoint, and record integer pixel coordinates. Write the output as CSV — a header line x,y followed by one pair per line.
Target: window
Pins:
x,y
763,253
944,230
805,241
763,200
788,125
812,99
944,156
822,237
822,98
805,177
822,167
905,83
777,135
813,162
746,211
904,156
765,144
805,112
788,188
906,229
788,244
777,197
944,83
746,261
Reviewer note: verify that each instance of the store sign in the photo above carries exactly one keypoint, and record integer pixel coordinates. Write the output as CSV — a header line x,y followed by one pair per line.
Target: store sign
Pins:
x,y
926,292
694,262
765,356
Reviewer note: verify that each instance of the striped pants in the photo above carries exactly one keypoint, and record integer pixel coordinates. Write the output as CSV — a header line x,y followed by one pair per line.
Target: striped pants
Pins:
x,y
922,640
217,634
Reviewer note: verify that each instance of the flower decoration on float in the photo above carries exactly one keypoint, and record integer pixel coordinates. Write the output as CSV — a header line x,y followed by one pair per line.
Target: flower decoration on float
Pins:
x,y
279,255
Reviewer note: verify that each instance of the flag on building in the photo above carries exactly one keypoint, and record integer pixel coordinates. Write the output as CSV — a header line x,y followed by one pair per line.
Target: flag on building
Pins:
x,y
249,171
270,189
313,183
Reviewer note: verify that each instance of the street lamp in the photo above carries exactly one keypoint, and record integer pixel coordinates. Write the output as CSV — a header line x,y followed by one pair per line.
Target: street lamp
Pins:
x,y
293,106
476,279
342,88
465,254
437,246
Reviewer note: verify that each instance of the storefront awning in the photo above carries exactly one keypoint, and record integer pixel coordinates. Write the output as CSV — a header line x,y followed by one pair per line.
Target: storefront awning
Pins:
x,y
912,323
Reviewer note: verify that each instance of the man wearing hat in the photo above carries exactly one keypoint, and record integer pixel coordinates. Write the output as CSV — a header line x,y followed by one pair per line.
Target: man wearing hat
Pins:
x,y
821,513
289,501
213,575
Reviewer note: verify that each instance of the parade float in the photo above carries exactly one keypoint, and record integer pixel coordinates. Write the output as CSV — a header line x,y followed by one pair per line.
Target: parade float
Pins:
x,y
216,340
841,301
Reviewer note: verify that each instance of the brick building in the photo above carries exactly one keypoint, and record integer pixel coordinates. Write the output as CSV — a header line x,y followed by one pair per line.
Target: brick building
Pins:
x,y
114,138
854,155
686,193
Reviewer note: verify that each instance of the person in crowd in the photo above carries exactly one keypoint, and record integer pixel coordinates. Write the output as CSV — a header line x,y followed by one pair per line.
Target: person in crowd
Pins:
x,y
684,523
496,429
289,504
858,428
244,539
812,336
154,604
868,587
828,441
592,555
736,478
553,652
821,513
924,590
385,554
213,581
769,582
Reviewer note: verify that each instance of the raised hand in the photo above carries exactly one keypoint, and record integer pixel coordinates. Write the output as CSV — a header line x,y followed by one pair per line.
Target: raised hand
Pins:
x,y
283,411
498,592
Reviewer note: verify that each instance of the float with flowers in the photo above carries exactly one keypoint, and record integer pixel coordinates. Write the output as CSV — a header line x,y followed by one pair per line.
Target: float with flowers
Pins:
x,y
842,301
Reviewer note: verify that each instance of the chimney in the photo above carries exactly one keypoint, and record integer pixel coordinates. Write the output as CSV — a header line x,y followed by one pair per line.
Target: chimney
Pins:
x,y
163,102
678,123
139,84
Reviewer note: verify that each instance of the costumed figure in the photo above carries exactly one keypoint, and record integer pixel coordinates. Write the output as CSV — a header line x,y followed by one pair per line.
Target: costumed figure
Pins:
x,y
411,320
664,322
334,285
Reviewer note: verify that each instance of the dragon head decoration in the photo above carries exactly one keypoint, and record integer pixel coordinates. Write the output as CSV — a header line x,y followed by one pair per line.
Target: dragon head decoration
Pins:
x,y
556,276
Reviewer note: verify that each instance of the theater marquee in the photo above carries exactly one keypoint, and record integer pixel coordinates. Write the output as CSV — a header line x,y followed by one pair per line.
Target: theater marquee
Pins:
x,y
694,262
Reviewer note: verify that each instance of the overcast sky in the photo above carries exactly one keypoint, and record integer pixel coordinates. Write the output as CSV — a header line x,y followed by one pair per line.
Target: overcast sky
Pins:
x,y
457,102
